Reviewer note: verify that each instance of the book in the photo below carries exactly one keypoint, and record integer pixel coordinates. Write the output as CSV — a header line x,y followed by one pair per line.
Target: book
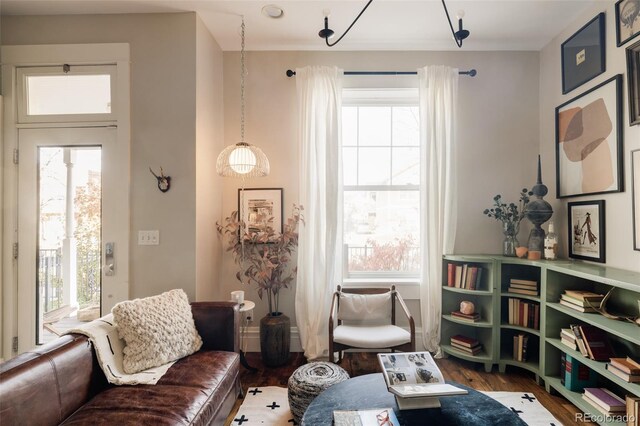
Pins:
x,y
628,365
523,291
463,279
472,274
458,276
567,333
415,379
585,303
471,351
579,340
577,375
597,407
606,399
597,343
630,378
478,279
451,274
633,409
365,417
581,294
465,317
464,341
577,307
569,343
563,364
525,282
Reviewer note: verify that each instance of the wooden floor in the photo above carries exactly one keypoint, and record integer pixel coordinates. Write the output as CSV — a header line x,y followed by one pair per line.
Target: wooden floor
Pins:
x,y
463,372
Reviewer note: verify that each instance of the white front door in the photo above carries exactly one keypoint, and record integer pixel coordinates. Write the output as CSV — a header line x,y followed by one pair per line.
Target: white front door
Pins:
x,y
72,229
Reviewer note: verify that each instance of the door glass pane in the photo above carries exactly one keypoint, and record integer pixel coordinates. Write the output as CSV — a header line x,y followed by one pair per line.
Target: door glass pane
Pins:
x,y
68,94
69,233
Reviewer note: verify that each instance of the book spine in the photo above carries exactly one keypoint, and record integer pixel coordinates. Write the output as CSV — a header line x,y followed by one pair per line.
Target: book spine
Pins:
x,y
451,274
563,367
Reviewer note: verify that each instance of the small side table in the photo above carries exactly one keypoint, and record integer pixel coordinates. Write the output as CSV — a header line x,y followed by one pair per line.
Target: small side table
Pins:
x,y
245,318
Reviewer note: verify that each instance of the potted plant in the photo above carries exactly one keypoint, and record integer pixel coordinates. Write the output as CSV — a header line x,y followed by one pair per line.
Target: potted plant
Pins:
x,y
264,259
510,215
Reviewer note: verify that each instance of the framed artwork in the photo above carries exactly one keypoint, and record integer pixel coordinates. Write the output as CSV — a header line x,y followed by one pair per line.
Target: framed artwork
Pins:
x,y
635,197
261,209
633,82
627,20
589,155
586,230
583,54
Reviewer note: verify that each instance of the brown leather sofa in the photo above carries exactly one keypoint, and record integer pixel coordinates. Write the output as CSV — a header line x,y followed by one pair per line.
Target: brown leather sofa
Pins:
x,y
62,383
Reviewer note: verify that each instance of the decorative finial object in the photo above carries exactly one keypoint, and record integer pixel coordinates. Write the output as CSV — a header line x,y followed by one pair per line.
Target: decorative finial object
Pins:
x,y
538,211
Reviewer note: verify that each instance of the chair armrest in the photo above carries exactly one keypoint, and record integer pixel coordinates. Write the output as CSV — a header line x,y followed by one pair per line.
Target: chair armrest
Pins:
x,y
412,324
218,323
333,311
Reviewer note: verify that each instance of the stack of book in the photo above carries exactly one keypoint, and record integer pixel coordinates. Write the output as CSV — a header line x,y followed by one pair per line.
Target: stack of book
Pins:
x,y
524,313
466,344
581,301
474,317
625,368
593,342
520,347
464,276
523,287
605,401
568,338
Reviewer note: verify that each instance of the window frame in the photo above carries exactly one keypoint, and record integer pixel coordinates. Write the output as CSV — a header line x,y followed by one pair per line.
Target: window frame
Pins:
x,y
22,91
382,97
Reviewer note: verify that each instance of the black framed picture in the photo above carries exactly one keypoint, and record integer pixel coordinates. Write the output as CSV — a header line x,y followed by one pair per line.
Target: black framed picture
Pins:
x,y
589,153
583,54
635,197
261,210
587,230
633,82
627,20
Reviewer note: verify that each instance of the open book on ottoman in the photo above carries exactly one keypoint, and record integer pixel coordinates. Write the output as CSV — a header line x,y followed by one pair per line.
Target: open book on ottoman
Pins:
x,y
415,380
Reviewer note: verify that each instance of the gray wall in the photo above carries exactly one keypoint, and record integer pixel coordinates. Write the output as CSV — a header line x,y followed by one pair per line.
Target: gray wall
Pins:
x,y
619,236
164,131
498,139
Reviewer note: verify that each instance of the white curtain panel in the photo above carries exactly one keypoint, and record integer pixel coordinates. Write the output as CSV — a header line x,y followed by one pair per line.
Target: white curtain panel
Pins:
x,y
319,92
438,104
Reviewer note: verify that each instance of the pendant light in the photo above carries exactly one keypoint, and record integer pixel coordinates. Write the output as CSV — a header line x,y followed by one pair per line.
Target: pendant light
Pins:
x,y
242,160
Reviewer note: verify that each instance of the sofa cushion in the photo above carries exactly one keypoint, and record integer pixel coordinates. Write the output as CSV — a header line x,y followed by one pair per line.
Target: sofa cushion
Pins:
x,y
156,329
191,392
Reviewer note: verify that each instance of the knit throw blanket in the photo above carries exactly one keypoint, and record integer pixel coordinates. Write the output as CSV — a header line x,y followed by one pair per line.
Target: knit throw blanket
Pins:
x,y
103,334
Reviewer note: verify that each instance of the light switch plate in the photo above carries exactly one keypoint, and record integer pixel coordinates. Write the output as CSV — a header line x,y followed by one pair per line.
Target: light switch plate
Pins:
x,y
149,238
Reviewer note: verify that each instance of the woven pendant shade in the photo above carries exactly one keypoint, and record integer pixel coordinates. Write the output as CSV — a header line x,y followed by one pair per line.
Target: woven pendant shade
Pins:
x,y
242,160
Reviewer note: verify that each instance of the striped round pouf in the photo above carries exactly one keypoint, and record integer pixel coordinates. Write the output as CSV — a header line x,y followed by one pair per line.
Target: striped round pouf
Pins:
x,y
308,381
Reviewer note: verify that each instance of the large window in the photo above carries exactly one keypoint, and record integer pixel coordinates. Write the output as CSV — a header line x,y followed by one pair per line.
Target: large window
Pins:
x,y
381,162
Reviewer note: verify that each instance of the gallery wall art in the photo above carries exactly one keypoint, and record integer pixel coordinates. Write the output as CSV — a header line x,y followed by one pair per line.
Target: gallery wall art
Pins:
x,y
627,20
261,209
583,54
589,153
635,197
587,230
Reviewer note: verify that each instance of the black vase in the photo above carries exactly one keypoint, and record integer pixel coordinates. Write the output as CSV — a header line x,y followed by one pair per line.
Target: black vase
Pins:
x,y
275,339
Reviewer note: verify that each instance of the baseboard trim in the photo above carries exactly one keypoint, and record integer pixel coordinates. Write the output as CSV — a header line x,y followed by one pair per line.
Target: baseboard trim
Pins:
x,y
250,342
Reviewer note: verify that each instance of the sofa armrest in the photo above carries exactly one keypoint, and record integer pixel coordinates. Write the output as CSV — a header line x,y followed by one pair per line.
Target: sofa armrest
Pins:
x,y
218,323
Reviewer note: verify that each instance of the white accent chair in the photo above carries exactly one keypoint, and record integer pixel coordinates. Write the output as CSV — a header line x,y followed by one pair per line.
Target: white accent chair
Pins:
x,y
366,319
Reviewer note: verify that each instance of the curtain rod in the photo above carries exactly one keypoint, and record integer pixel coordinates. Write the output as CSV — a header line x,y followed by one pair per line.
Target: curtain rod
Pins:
x,y
470,73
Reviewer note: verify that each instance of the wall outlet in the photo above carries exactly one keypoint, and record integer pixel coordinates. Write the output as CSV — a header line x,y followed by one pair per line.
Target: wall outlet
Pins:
x,y
149,238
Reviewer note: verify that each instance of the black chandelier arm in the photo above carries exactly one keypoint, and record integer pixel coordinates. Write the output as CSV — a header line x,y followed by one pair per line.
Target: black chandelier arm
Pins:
x,y
453,32
326,39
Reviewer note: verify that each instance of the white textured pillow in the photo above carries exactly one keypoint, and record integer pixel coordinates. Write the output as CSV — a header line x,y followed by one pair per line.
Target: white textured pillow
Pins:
x,y
156,330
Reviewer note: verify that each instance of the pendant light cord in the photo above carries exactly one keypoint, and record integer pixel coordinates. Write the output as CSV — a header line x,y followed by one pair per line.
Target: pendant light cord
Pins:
x,y
455,37
242,73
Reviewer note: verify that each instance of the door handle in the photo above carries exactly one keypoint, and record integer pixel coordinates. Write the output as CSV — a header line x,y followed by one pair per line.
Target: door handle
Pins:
x,y
109,264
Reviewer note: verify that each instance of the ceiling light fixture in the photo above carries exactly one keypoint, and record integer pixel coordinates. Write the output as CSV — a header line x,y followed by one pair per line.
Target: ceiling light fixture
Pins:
x,y
273,11
242,160
461,34
326,33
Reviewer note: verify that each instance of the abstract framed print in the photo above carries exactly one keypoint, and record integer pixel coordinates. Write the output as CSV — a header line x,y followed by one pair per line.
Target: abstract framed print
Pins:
x,y
589,153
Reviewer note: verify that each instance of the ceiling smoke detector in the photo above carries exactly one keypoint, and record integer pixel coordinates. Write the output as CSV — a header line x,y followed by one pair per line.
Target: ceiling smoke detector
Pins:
x,y
272,11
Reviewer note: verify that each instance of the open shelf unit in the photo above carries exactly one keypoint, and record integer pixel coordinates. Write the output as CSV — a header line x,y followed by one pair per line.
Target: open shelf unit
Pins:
x,y
544,347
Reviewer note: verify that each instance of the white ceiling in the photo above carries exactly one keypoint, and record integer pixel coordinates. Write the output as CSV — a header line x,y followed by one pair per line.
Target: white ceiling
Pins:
x,y
386,25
